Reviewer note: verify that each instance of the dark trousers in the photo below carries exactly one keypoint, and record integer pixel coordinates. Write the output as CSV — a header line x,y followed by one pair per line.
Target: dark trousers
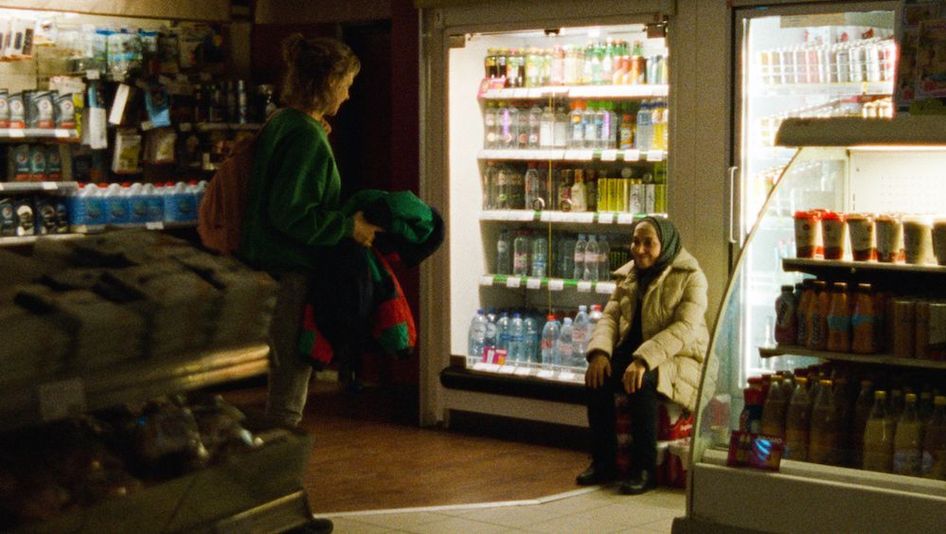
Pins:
x,y
643,411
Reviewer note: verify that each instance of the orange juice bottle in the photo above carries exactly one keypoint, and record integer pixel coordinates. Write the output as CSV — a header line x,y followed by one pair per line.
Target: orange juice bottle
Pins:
x,y
878,437
933,464
839,320
818,317
823,440
907,440
798,422
863,336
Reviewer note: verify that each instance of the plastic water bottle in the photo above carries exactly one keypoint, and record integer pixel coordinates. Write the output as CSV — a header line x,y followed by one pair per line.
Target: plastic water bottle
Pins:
x,y
540,257
503,254
550,334
535,121
564,349
591,259
604,256
477,337
492,331
520,258
502,332
137,204
154,200
530,338
588,120
491,131
576,117
561,127
547,128
581,331
516,340
579,263
645,128
116,204
566,253
535,189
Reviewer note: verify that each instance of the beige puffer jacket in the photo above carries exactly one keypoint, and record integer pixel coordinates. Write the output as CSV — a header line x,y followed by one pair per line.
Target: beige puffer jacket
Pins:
x,y
674,326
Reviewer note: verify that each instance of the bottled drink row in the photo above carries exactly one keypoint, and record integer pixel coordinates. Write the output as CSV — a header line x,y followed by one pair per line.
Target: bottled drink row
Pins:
x,y
612,61
866,60
864,321
887,425
587,125
886,237
521,186
585,257
514,336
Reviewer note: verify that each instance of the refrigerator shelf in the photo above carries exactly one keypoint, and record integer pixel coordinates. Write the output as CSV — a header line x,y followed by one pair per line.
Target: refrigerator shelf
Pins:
x,y
629,155
566,217
551,284
578,91
819,267
39,134
876,359
884,88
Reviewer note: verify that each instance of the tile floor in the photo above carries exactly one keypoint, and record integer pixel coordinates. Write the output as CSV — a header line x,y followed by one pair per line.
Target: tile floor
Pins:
x,y
596,510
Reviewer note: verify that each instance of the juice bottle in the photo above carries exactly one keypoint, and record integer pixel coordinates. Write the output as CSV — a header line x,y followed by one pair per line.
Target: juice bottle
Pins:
x,y
773,411
933,463
844,415
839,320
798,422
818,317
907,440
878,438
786,318
823,440
862,408
801,311
880,319
862,321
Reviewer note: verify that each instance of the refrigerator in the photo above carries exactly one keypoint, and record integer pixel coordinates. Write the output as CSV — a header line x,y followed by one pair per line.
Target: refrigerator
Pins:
x,y
546,130
801,61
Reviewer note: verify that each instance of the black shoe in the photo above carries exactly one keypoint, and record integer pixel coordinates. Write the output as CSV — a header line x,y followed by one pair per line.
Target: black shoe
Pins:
x,y
642,483
316,525
595,474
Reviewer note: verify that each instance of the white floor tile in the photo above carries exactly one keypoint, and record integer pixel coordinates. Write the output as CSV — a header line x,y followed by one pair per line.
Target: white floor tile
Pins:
x,y
399,521
459,525
344,525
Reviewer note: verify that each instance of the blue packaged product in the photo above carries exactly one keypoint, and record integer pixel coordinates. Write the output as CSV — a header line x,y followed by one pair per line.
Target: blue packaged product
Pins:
x,y
7,218
20,156
46,217
37,163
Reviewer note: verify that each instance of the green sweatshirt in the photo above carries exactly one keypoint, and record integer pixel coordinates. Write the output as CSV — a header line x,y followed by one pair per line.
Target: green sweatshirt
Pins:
x,y
293,203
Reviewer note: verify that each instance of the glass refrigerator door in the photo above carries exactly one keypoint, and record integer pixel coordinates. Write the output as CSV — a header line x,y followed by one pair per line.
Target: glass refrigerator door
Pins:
x,y
557,142
797,64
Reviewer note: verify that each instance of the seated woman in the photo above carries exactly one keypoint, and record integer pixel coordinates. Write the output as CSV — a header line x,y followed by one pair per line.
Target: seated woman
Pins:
x,y
652,339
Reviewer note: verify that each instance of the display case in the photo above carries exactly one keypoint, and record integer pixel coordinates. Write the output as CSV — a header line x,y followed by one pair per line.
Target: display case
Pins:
x,y
858,206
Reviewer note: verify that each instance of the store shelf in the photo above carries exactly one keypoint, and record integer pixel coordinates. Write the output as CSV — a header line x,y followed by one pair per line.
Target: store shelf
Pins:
x,y
32,187
217,126
39,134
875,359
578,91
508,383
630,155
828,89
550,284
829,267
14,241
563,217
51,397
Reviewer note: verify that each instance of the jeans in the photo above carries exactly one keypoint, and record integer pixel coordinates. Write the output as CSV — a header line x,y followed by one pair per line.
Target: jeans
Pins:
x,y
289,374
643,408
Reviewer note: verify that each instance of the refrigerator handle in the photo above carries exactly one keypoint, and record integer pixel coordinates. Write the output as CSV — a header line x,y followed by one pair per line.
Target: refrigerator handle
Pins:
x,y
733,239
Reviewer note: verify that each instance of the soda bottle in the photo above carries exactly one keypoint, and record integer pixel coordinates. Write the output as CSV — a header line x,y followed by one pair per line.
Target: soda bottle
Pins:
x,y
604,258
516,340
774,410
550,333
523,129
933,464
907,440
798,422
839,320
503,254
564,349
581,330
862,322
579,255
509,126
477,335
878,437
594,316
491,125
520,248
626,132
530,339
591,259
535,121
591,189
540,257
490,175
823,441
786,320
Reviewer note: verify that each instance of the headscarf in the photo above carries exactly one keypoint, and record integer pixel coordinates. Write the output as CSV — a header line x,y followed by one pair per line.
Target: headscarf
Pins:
x,y
670,246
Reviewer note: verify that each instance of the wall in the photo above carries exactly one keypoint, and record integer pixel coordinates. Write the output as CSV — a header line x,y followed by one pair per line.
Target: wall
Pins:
x,y
217,10
307,12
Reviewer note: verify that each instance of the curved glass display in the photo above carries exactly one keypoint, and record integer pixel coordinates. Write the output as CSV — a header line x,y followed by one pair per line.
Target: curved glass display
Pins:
x,y
839,294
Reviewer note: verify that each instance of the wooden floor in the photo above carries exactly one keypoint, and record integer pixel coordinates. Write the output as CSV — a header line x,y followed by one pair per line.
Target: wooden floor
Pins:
x,y
369,454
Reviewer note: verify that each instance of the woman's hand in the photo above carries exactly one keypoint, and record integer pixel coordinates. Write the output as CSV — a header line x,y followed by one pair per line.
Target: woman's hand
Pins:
x,y
634,376
363,232
599,368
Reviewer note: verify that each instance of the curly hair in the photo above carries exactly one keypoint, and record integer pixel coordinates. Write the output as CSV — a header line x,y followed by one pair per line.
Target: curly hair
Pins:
x,y
313,67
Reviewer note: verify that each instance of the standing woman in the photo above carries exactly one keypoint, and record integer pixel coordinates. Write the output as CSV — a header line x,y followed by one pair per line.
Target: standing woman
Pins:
x,y
293,214
652,339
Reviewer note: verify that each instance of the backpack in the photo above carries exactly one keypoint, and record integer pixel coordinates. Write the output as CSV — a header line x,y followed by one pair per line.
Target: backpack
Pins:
x,y
220,215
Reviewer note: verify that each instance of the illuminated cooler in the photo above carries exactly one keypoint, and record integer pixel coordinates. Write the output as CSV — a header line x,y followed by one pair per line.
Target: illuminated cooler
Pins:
x,y
846,165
